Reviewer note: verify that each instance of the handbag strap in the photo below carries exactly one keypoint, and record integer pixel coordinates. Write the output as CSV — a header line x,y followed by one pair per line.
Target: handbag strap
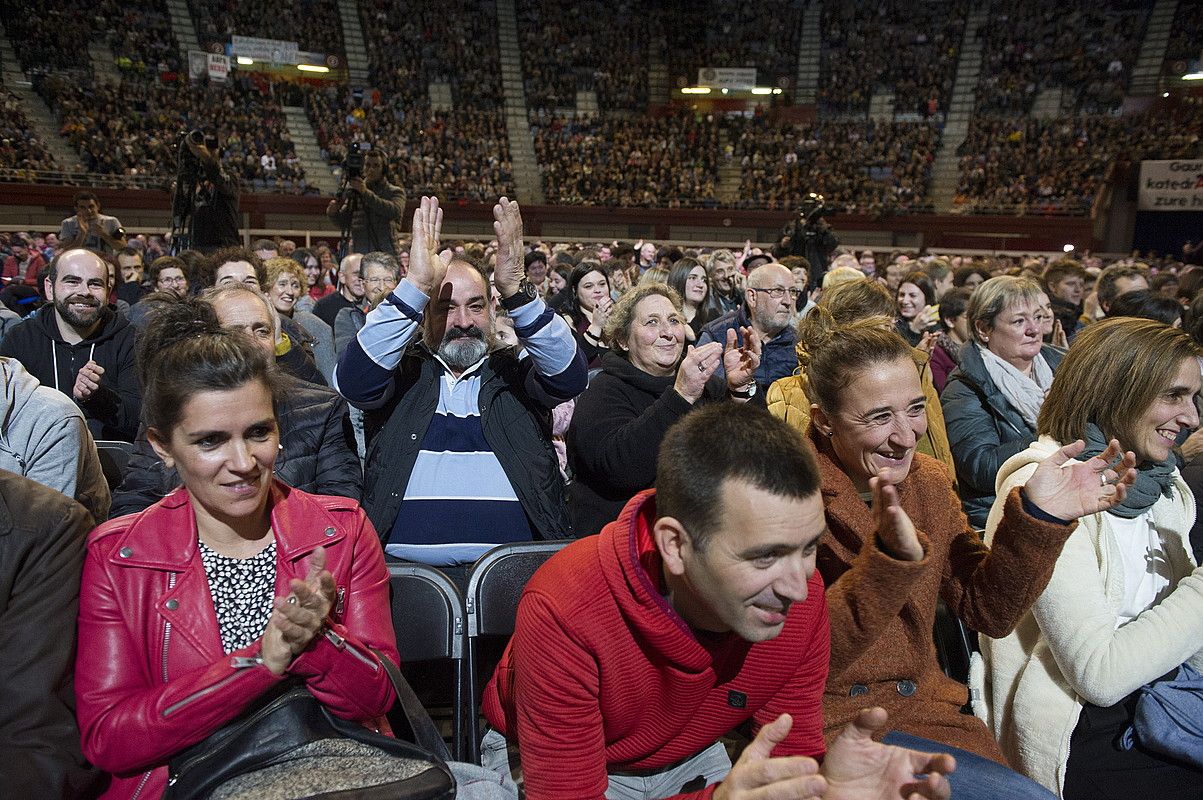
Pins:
x,y
422,730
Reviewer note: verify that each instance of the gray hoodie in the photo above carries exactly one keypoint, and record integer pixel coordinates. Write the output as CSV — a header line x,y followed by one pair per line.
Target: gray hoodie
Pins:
x,y
44,437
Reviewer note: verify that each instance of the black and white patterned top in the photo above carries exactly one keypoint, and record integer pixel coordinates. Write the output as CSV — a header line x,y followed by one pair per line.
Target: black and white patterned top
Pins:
x,y
242,591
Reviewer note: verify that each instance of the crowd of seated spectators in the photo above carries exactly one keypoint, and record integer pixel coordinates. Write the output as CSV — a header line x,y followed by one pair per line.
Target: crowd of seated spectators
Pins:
x,y
20,146
1088,49
594,45
56,37
462,155
864,167
49,39
410,44
910,49
670,161
132,128
1059,165
724,33
313,24
139,34
1186,36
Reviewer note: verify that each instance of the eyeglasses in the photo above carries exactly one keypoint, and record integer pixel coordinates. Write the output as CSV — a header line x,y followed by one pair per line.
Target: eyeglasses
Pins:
x,y
379,281
174,281
778,292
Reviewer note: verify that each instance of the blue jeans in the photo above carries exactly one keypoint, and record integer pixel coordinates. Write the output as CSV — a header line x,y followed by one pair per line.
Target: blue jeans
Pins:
x,y
976,778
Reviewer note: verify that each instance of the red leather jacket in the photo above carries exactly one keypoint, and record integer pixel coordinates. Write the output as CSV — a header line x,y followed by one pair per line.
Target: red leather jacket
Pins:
x,y
151,675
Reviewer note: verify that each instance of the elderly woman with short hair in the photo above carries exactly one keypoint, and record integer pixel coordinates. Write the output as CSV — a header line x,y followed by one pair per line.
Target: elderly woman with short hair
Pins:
x,y
648,381
992,400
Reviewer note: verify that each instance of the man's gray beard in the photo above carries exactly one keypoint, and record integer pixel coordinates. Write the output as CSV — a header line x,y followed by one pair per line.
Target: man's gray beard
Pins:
x,y
463,352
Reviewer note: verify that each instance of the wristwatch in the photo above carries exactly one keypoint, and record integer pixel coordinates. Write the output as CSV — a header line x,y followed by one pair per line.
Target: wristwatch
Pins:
x,y
525,294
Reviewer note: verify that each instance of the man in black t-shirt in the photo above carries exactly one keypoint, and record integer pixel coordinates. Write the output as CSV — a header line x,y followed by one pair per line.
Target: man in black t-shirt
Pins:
x,y
349,295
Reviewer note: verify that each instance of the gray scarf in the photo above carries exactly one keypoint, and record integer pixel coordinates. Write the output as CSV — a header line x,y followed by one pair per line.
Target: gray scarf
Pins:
x,y
1153,480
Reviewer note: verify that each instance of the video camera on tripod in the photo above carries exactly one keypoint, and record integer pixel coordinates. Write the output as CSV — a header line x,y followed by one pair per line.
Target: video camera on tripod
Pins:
x,y
352,169
188,175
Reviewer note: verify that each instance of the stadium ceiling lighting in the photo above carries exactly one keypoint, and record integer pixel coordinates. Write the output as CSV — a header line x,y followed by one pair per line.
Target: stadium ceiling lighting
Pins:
x,y
1069,248
695,90
725,91
1165,94
244,61
312,68
776,91
761,90
1193,76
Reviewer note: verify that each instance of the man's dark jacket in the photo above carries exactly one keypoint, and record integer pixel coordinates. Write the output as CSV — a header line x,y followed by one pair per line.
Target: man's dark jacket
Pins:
x,y
778,357
42,536
318,454
376,222
516,418
113,410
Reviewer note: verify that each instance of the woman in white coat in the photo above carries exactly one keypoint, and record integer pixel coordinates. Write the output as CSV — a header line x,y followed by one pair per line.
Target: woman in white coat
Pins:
x,y
1125,603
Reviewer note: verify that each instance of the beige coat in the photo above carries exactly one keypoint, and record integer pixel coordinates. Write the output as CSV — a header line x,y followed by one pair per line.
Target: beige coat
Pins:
x,y
1067,650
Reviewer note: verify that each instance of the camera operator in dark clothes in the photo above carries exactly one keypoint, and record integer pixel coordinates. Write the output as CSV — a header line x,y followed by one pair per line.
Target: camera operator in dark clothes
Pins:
x,y
811,237
369,207
214,200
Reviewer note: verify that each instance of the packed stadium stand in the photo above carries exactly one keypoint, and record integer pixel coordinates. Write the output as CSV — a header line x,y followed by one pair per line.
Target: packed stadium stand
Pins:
x,y
1041,133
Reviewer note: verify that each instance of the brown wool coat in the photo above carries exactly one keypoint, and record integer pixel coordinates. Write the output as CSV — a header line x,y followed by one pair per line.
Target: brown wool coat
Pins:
x,y
883,610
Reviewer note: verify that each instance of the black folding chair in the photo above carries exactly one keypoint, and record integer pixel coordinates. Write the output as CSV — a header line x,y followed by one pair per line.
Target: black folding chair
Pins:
x,y
955,644
494,588
429,620
114,458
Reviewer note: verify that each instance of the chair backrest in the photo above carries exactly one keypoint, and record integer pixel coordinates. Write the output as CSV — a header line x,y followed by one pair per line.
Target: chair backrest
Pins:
x,y
955,644
428,613
496,583
114,458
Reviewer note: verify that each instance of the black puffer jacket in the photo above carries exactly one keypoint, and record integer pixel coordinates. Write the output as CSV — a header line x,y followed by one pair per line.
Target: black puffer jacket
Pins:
x,y
318,454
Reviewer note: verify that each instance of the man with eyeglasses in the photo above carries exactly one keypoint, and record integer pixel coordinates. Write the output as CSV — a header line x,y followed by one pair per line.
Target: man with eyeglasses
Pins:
x,y
380,273
768,308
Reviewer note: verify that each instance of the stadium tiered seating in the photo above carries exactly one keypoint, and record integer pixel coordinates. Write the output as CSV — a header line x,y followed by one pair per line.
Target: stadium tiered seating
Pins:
x,y
1086,48
411,44
669,161
863,167
1057,166
460,155
908,48
132,128
590,45
21,149
313,24
728,33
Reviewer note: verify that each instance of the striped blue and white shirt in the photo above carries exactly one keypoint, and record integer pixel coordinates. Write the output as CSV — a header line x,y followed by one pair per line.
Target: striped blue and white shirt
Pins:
x,y
459,502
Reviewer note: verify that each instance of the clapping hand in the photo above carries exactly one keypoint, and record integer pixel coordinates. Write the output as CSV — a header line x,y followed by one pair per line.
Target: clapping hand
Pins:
x,y
599,315
511,266
1070,491
696,368
426,268
299,616
895,530
740,362
858,768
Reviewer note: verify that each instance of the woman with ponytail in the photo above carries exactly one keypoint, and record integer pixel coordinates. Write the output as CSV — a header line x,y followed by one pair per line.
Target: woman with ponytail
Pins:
x,y
899,544
1124,605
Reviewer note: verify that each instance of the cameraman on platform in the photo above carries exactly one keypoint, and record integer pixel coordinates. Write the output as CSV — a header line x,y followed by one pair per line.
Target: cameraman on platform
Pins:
x,y
811,237
215,208
368,206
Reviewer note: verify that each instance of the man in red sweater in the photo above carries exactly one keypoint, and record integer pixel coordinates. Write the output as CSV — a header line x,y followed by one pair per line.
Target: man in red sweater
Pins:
x,y
697,610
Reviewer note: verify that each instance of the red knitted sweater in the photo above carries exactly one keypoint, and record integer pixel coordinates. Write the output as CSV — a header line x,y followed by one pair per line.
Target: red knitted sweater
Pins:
x,y
602,675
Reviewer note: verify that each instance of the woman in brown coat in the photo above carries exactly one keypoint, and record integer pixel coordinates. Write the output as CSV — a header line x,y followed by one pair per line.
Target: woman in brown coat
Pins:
x,y
899,542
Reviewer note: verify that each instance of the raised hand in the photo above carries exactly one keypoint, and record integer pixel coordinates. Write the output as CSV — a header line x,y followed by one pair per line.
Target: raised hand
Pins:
x,y
696,368
511,266
1059,338
858,768
1070,491
299,616
895,530
426,269
928,343
599,315
740,362
758,775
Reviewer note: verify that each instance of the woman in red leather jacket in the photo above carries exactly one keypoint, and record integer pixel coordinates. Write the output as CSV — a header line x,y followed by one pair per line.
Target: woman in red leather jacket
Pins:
x,y
194,607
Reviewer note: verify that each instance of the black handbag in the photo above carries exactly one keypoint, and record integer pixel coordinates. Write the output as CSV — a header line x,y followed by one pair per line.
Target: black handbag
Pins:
x,y
287,744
